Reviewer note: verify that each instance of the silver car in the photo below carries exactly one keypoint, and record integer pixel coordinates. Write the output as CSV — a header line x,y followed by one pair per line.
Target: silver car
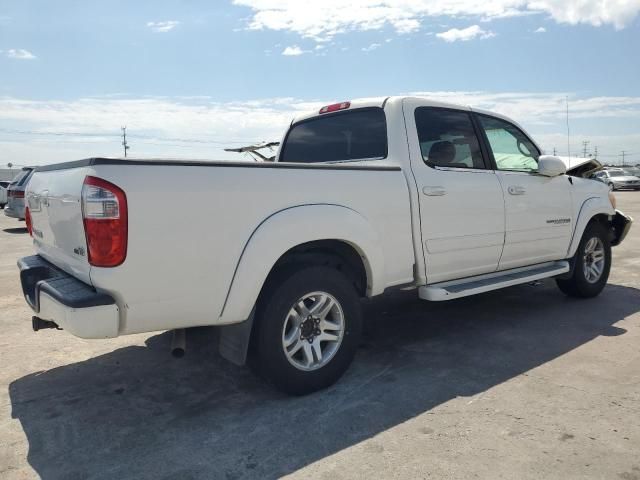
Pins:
x,y
15,194
618,179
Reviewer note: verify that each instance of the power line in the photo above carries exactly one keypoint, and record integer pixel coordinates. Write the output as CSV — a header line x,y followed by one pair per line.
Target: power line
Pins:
x,y
141,136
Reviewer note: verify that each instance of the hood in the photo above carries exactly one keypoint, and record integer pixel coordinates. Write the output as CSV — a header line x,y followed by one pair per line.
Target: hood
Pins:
x,y
581,167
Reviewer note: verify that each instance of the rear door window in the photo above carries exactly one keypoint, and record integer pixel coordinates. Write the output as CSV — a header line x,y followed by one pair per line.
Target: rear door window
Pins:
x,y
353,135
448,139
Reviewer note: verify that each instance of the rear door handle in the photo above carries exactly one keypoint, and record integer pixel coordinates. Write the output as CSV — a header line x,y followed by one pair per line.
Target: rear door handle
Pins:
x,y
434,191
517,190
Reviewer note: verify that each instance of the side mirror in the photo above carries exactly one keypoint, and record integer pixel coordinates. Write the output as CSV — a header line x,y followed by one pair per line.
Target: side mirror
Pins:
x,y
551,166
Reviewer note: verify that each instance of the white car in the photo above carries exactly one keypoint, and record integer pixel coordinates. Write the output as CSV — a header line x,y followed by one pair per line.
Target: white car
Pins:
x,y
364,197
618,179
4,185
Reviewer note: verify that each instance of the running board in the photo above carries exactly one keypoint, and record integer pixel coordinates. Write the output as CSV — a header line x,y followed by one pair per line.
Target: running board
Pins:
x,y
491,281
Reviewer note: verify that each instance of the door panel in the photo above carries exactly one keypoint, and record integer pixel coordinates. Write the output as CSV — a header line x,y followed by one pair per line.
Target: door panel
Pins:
x,y
461,202
538,220
538,209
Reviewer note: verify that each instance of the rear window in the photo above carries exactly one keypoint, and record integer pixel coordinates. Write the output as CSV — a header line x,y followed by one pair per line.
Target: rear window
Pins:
x,y
21,178
352,135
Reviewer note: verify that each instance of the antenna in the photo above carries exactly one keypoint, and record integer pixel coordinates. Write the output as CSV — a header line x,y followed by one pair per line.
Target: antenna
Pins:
x,y
568,132
124,140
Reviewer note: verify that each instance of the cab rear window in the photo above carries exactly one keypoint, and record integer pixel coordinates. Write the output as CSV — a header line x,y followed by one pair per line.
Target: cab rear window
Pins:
x,y
21,178
351,135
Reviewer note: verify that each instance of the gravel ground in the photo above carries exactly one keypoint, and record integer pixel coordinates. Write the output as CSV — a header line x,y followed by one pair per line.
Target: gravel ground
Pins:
x,y
521,384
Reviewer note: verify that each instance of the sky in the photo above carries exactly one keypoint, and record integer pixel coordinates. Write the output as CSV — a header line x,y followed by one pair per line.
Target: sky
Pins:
x,y
190,77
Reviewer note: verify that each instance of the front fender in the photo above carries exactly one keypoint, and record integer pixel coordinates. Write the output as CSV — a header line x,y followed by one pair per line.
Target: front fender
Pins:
x,y
590,208
289,228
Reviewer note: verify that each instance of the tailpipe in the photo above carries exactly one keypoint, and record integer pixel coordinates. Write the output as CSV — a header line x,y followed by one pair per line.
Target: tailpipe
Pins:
x,y
179,343
39,324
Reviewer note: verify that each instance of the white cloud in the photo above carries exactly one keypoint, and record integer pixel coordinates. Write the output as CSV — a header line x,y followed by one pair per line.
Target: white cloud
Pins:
x,y
319,20
293,51
465,34
371,47
540,30
20,54
163,27
619,13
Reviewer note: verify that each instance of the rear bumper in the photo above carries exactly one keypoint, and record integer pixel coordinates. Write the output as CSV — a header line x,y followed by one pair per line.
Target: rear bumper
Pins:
x,y
56,296
621,224
11,211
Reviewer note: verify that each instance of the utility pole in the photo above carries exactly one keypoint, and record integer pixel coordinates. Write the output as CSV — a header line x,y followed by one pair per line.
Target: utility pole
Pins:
x,y
595,154
124,140
623,154
585,144
554,151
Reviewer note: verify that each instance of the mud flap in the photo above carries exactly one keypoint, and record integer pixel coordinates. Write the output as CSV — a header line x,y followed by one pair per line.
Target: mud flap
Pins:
x,y
233,343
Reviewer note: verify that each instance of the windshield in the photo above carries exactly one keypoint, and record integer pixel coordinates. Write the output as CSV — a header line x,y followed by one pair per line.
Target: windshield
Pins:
x,y
631,172
616,174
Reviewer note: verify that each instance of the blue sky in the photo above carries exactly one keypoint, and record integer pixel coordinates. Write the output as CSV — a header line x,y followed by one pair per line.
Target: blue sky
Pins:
x,y
189,77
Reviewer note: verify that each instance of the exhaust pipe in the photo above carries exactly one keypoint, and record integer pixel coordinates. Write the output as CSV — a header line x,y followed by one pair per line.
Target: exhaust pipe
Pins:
x,y
40,324
179,343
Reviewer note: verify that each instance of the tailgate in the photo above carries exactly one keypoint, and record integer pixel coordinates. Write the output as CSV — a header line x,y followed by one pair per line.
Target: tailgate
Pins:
x,y
54,201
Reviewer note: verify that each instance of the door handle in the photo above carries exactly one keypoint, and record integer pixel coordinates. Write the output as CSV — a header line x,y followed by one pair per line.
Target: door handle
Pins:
x,y
517,190
434,191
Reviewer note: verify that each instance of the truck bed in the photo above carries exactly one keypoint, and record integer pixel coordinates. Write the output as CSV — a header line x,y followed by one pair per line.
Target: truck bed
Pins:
x,y
190,221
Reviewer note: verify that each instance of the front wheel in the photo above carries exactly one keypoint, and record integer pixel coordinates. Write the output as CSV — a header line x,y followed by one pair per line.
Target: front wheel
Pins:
x,y
592,264
309,324
611,187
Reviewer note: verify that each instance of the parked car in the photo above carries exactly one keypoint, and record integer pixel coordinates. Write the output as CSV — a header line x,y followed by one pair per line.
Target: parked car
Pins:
x,y
363,197
15,194
3,193
632,171
618,179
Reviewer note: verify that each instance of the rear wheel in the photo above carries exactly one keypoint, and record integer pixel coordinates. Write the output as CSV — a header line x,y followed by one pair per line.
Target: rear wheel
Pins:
x,y
308,329
592,264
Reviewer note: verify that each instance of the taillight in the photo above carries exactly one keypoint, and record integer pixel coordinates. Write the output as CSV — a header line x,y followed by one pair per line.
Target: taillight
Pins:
x,y
16,194
27,220
335,107
104,211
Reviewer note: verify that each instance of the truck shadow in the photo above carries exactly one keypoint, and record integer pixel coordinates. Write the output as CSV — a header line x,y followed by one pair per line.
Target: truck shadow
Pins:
x,y
138,413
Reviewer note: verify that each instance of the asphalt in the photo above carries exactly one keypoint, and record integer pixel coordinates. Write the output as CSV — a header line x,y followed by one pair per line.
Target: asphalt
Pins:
x,y
523,383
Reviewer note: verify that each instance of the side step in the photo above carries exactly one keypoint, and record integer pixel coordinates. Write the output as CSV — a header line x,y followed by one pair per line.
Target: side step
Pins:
x,y
491,281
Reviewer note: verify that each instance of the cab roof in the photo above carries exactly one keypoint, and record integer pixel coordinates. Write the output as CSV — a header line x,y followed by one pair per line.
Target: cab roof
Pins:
x,y
381,101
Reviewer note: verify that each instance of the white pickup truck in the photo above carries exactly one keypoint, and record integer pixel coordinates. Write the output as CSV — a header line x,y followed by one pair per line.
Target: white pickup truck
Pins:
x,y
363,197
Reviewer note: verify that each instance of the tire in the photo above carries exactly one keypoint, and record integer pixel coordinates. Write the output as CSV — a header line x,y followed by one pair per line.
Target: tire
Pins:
x,y
583,283
280,328
611,187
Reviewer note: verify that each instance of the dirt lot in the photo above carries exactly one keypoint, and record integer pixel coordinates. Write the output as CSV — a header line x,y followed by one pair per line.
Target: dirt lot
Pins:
x,y
522,383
